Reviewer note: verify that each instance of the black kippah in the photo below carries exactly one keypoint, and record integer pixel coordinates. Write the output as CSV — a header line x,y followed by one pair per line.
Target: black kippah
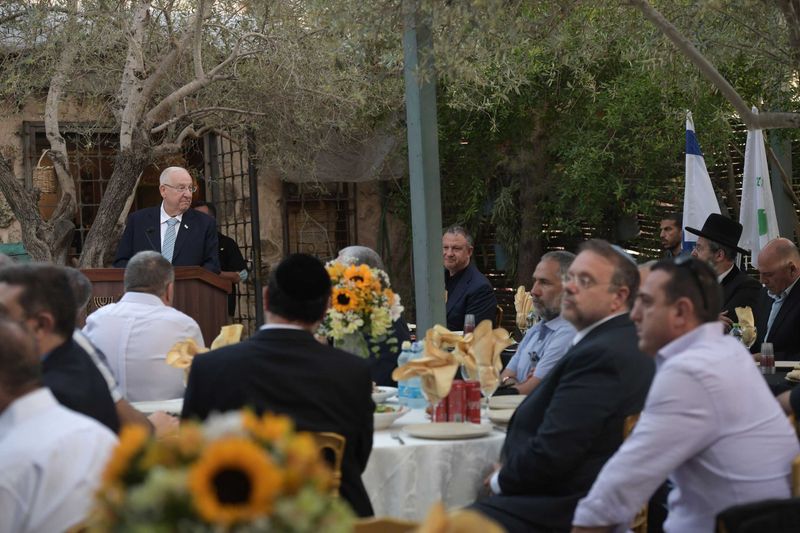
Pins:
x,y
303,277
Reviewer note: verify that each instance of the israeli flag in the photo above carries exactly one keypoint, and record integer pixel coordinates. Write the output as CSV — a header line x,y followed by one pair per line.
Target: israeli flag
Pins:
x,y
699,199
757,213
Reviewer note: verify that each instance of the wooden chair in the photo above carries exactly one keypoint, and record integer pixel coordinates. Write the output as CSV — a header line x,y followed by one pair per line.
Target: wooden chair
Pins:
x,y
384,525
331,448
639,524
498,317
796,477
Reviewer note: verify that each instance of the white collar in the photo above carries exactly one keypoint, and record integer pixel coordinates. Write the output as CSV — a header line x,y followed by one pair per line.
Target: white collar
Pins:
x,y
722,276
785,292
281,326
585,331
165,216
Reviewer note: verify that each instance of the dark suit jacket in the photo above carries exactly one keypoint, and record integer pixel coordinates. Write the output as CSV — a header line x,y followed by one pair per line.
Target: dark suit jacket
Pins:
x,y
287,371
739,290
196,244
382,363
469,293
564,431
69,372
785,333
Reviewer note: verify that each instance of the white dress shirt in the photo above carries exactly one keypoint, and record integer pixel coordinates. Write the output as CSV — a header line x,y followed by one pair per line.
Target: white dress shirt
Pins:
x,y
51,460
712,425
135,334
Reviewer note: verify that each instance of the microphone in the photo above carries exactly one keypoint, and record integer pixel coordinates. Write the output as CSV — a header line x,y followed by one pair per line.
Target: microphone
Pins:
x,y
147,233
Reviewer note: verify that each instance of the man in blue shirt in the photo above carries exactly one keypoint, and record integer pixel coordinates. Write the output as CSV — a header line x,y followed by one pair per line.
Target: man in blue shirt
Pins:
x,y
546,342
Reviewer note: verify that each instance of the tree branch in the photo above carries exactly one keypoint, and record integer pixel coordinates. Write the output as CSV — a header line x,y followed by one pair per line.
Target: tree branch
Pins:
x,y
197,50
205,111
129,94
177,145
752,120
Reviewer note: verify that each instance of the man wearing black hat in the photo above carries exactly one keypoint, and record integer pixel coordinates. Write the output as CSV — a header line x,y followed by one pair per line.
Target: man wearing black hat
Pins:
x,y
283,369
717,245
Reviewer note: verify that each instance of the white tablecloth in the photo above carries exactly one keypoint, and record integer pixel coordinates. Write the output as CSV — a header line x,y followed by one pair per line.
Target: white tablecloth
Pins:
x,y
403,481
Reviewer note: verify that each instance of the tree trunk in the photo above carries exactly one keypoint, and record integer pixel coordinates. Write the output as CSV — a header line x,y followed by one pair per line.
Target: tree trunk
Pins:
x,y
101,241
533,190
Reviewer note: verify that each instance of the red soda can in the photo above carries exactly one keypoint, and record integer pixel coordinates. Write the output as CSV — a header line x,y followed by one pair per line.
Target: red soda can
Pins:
x,y
473,402
457,402
440,411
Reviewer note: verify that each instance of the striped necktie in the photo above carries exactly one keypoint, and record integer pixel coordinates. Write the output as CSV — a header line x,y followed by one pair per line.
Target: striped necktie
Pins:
x,y
169,240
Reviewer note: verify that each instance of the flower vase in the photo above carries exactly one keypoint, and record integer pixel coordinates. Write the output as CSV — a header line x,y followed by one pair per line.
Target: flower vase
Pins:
x,y
354,343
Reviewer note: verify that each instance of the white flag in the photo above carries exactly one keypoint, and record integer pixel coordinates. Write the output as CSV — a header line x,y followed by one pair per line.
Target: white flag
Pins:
x,y
757,213
699,199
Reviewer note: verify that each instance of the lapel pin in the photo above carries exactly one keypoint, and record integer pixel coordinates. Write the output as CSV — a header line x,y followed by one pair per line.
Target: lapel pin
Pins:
x,y
186,226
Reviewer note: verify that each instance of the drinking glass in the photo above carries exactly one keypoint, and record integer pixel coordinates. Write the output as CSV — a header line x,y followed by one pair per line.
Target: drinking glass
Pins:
x,y
489,378
469,324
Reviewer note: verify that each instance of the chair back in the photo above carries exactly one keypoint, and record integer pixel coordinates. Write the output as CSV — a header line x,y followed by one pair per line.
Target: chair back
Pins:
x,y
498,317
639,524
331,448
796,477
384,525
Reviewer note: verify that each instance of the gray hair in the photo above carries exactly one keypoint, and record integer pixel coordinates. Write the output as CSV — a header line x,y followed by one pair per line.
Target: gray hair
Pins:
x,y
80,285
164,178
148,272
459,230
361,255
562,257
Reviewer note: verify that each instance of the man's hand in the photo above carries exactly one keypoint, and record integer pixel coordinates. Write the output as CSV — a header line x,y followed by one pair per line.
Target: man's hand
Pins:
x,y
164,423
487,481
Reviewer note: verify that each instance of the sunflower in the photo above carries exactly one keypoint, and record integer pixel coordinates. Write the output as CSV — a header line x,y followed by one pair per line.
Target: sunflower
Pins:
x,y
132,439
304,462
335,270
360,275
344,300
269,427
234,481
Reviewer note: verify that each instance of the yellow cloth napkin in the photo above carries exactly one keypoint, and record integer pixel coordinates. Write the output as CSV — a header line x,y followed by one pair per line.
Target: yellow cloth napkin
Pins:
x,y
523,303
744,315
480,352
459,521
228,335
182,353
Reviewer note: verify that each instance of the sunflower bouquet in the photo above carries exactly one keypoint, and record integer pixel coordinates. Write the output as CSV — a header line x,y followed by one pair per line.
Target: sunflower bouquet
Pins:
x,y
237,473
363,306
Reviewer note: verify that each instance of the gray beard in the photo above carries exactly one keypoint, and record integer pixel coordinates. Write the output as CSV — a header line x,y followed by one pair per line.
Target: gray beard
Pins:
x,y
549,314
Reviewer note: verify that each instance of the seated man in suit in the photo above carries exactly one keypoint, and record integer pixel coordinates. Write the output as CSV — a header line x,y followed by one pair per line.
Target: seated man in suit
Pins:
x,y
717,245
565,430
184,237
51,458
778,312
283,369
382,363
710,422
468,291
38,296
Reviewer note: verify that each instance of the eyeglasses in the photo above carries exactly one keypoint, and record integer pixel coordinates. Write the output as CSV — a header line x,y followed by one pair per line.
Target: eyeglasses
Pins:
x,y
691,264
182,188
583,281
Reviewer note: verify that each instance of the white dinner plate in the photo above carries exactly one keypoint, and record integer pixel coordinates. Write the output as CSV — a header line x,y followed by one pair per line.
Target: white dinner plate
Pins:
x,y
382,394
173,407
787,364
506,402
448,430
501,416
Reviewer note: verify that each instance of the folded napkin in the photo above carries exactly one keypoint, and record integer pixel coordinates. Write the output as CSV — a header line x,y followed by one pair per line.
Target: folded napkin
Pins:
x,y
523,303
744,315
459,521
181,355
438,366
228,335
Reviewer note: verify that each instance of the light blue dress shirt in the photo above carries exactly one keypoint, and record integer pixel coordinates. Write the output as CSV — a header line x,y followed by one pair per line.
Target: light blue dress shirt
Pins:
x,y
712,425
542,347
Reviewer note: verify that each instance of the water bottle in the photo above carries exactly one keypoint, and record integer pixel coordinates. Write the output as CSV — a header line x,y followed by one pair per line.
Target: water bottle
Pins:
x,y
414,397
736,332
402,386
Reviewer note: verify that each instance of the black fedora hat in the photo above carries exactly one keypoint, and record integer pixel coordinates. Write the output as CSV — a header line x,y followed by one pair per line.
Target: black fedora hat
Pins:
x,y
722,230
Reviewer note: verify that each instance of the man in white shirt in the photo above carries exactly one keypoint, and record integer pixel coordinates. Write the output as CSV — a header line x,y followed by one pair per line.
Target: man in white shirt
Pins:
x,y
710,422
51,458
137,332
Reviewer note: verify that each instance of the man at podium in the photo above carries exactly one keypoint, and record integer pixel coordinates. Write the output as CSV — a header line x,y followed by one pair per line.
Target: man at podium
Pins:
x,y
185,237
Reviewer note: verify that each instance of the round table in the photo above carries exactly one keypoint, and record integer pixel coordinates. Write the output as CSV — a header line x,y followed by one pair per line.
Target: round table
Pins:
x,y
404,480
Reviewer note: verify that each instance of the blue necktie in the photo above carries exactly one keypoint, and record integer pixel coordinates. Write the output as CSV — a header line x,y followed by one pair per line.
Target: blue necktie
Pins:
x,y
169,240
773,313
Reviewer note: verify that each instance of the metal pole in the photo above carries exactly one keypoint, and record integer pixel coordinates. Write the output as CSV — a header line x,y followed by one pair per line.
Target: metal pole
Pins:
x,y
423,166
255,225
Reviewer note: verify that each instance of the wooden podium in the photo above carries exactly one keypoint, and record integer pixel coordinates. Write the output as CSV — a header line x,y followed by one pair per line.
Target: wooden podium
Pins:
x,y
199,293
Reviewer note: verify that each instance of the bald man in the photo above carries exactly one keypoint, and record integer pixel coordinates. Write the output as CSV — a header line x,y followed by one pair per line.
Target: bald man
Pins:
x,y
778,312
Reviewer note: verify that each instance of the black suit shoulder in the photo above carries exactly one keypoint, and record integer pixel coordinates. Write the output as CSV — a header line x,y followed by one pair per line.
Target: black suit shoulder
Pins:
x,y
739,290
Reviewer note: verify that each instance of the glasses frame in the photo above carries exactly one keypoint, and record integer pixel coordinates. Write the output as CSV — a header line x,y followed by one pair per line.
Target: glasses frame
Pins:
x,y
192,188
688,262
